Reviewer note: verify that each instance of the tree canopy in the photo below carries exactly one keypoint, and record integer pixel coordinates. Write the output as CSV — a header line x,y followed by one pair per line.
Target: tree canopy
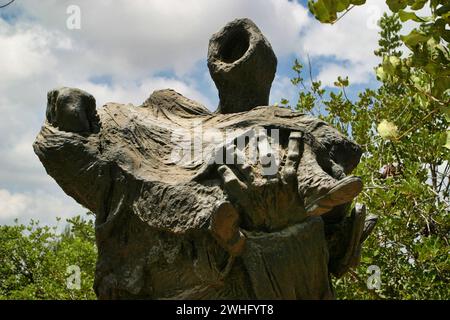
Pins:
x,y
401,127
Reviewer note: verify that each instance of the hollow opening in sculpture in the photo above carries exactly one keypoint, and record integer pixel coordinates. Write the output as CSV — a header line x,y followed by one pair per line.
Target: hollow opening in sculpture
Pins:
x,y
235,45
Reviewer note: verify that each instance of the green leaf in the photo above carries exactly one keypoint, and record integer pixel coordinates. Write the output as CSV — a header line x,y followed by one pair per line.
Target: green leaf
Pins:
x,y
341,82
442,84
390,65
445,9
446,112
414,38
405,16
358,2
323,10
396,5
342,5
418,4
395,61
446,35
447,144
432,68
326,10
381,75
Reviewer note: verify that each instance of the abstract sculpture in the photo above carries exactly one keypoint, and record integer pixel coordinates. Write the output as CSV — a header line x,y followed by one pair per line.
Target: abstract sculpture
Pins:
x,y
252,201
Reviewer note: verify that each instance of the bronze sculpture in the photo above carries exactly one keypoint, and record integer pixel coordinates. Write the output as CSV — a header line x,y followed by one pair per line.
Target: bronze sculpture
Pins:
x,y
249,202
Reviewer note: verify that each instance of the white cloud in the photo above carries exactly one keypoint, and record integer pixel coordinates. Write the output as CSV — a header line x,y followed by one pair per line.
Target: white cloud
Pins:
x,y
37,206
141,37
138,93
351,41
356,72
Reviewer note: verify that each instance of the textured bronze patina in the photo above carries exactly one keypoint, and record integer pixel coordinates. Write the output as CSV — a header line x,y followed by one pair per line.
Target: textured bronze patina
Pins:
x,y
201,228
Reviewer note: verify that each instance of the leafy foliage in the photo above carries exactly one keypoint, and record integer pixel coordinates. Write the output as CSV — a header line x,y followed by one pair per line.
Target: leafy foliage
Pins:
x,y
427,67
34,260
406,169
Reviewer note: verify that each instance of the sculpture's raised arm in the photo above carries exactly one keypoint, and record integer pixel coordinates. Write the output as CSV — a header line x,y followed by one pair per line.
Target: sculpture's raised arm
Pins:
x,y
68,146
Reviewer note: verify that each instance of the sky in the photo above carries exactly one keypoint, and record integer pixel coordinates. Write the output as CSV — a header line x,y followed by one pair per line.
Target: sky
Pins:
x,y
124,50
